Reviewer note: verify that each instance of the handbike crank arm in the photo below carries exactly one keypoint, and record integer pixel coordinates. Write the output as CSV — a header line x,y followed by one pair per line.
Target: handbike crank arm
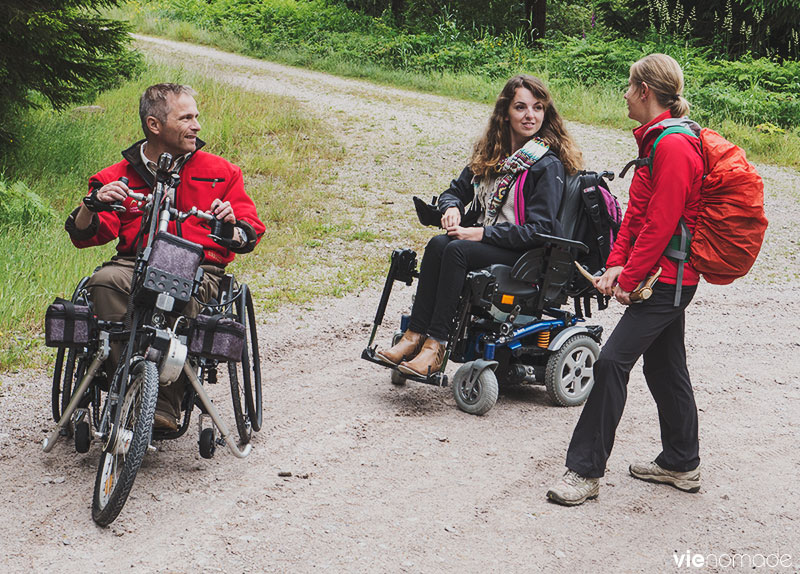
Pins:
x,y
50,441
212,411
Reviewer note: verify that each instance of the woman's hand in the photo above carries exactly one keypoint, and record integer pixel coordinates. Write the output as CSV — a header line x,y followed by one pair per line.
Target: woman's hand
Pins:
x,y
451,218
608,280
468,233
622,296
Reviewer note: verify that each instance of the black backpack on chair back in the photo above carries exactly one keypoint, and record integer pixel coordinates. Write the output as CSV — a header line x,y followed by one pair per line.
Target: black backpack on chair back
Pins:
x,y
591,214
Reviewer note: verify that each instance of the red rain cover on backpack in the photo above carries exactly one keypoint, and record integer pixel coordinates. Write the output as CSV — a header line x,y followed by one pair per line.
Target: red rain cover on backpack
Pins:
x,y
730,223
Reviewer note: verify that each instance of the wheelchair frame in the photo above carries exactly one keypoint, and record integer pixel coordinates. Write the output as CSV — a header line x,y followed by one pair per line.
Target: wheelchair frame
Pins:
x,y
121,411
542,280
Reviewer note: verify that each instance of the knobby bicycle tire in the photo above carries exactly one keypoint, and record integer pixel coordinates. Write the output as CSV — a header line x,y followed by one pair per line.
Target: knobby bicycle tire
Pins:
x,y
116,472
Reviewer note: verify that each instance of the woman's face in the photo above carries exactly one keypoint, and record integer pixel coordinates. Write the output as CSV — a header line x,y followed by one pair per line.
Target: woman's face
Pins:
x,y
525,117
636,108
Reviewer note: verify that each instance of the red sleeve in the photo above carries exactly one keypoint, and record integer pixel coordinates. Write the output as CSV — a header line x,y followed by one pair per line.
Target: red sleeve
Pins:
x,y
674,168
108,221
244,208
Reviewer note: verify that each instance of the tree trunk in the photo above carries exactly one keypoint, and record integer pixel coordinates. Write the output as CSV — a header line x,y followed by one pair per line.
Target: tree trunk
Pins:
x,y
536,12
397,10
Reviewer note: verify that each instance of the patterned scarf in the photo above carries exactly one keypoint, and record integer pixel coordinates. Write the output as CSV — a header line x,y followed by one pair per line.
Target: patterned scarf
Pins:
x,y
519,161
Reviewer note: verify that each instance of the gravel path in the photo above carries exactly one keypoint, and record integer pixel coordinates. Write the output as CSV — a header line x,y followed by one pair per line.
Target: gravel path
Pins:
x,y
387,479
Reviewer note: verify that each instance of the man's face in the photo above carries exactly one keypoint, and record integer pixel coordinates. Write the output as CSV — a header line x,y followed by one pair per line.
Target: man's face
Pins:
x,y
178,134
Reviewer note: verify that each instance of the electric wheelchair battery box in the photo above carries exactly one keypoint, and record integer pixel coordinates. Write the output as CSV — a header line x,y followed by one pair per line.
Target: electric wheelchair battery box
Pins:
x,y
68,325
171,270
217,337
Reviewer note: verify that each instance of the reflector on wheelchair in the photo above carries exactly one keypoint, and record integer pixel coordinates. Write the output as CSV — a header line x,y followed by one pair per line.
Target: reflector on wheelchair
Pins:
x,y
507,300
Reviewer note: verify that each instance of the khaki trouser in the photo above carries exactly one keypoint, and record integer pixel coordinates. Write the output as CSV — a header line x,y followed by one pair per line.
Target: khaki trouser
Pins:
x,y
109,289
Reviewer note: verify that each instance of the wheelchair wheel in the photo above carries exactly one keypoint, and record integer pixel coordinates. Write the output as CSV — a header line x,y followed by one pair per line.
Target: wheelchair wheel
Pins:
x,y
569,376
63,371
481,398
58,371
120,461
398,379
245,376
207,443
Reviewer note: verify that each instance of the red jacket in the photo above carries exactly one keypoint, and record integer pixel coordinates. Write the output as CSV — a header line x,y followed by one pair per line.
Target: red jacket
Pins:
x,y
204,177
656,203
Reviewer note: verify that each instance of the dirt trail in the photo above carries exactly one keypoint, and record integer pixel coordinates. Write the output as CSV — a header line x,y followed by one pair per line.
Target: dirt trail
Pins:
x,y
389,479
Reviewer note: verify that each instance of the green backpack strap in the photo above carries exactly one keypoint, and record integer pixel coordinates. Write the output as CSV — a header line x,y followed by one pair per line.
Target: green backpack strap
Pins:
x,y
680,129
679,245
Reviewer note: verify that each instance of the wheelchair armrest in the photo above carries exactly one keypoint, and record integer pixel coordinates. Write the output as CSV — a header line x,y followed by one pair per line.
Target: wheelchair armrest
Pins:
x,y
564,243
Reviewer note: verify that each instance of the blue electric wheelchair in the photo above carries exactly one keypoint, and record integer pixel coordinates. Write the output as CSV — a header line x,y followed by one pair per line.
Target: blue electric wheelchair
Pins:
x,y
158,345
510,327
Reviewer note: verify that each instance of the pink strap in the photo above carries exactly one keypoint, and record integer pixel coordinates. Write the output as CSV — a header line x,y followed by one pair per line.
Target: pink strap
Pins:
x,y
519,199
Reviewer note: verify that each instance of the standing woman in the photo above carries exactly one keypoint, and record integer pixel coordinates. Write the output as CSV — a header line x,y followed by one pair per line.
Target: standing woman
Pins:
x,y
513,184
659,199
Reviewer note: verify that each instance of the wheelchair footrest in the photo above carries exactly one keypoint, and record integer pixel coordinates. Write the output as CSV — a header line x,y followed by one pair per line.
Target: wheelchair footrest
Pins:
x,y
438,379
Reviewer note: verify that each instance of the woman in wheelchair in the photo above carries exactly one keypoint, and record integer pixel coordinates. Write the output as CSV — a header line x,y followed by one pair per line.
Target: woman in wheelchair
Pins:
x,y
513,186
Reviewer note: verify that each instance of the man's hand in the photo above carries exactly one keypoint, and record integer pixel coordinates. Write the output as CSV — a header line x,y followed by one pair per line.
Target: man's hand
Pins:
x,y
608,280
468,233
451,218
109,193
223,211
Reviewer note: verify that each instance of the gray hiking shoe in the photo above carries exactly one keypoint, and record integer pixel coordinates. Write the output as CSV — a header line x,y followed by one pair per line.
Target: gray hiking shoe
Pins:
x,y
574,489
688,481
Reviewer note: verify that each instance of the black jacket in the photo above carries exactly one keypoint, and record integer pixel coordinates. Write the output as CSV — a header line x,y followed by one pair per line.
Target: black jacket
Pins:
x,y
543,190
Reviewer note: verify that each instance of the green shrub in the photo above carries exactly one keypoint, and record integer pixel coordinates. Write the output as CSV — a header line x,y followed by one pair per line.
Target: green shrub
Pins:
x,y
750,91
21,206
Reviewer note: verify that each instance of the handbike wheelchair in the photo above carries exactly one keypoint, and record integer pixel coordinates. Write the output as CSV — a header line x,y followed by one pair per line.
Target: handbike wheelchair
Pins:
x,y
510,327
117,408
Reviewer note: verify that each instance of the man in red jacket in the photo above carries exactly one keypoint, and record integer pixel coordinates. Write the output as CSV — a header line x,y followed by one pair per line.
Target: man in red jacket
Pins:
x,y
169,119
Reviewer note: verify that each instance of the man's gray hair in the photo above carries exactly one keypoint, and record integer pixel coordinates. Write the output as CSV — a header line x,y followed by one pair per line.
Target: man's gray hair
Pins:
x,y
154,102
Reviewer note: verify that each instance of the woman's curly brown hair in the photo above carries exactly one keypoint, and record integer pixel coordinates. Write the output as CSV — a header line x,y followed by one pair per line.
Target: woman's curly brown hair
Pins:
x,y
495,144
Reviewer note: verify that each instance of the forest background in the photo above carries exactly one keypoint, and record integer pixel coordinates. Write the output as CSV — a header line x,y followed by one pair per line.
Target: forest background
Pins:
x,y
740,59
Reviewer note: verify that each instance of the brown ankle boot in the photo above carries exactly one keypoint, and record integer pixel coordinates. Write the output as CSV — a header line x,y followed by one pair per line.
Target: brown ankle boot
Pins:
x,y
428,360
406,348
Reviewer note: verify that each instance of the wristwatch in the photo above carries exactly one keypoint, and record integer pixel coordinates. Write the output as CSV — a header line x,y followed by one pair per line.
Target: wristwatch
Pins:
x,y
242,236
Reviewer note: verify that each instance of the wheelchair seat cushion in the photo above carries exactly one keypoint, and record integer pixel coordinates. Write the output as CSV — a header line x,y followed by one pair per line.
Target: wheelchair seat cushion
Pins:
x,y
506,285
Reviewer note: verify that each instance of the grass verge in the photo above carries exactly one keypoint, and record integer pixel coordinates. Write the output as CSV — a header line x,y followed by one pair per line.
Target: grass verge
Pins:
x,y
312,248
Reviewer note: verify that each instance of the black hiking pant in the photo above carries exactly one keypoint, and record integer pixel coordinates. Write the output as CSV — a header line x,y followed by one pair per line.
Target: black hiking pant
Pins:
x,y
655,329
442,273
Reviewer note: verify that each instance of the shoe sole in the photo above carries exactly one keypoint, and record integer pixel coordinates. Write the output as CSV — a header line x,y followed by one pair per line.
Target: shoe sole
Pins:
x,y
564,502
384,360
406,371
690,486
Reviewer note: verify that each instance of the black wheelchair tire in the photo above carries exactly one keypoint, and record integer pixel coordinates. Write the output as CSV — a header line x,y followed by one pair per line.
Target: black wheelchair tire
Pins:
x,y
55,396
245,376
63,377
116,472
560,379
254,398
397,378
244,425
207,443
83,437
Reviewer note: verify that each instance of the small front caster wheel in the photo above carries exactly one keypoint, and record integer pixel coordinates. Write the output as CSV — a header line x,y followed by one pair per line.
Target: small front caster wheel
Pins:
x,y
479,397
208,443
83,437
